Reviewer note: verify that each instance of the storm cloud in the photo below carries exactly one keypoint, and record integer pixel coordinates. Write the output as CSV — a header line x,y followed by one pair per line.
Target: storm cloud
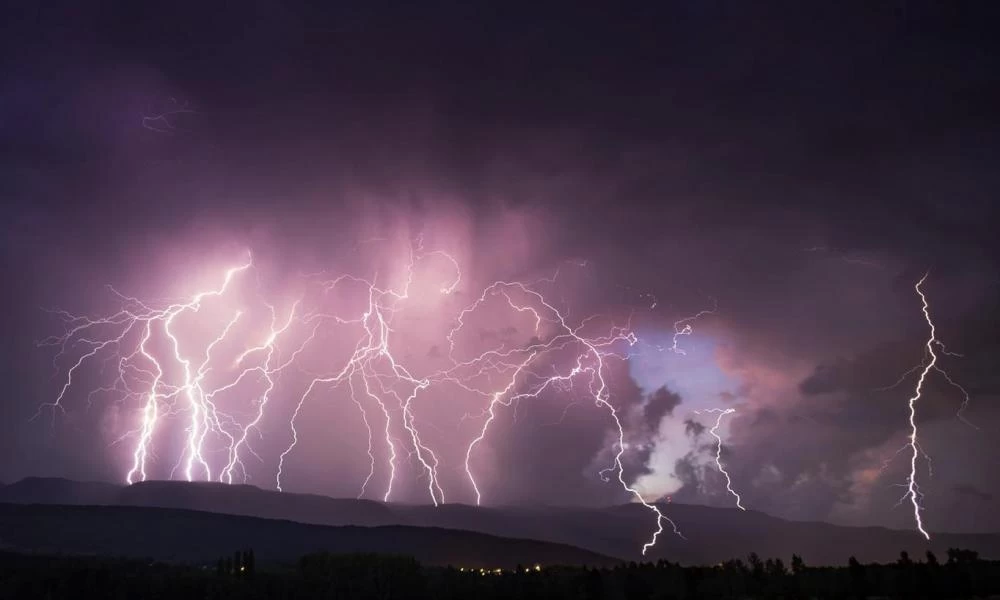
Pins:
x,y
802,175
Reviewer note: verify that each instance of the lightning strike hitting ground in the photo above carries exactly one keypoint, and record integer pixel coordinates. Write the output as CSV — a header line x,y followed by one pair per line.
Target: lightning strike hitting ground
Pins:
x,y
592,352
163,367
722,412
135,316
913,490
913,493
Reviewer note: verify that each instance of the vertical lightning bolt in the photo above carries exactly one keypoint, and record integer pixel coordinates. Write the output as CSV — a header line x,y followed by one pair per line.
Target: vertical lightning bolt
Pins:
x,y
150,414
933,350
268,372
912,489
714,431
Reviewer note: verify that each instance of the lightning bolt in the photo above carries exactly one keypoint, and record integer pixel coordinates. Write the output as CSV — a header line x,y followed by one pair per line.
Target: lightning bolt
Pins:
x,y
912,489
933,350
150,415
590,363
174,380
714,431
373,363
683,327
268,372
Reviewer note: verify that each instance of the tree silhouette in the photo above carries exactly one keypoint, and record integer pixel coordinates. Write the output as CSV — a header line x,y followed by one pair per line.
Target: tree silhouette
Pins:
x,y
798,565
251,563
378,577
932,560
859,582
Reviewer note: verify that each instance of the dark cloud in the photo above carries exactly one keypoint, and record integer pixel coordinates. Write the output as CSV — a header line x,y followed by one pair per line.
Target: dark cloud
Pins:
x,y
659,404
690,476
826,379
694,428
727,396
972,491
804,164
852,403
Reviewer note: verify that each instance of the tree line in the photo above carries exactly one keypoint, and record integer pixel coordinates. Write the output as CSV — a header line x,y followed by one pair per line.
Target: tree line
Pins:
x,y
962,574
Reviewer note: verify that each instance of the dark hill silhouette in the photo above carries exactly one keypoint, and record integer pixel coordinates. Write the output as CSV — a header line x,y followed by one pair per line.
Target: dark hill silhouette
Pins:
x,y
713,534
186,535
53,490
255,502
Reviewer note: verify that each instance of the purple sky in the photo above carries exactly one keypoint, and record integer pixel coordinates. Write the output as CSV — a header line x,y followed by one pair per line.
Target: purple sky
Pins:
x,y
799,170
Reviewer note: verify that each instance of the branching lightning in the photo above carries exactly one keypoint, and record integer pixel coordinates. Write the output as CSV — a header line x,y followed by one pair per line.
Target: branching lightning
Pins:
x,y
162,121
170,373
589,365
932,348
683,327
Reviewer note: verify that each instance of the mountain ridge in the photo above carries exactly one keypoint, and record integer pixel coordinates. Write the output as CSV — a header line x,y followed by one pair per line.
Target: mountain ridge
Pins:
x,y
712,534
198,536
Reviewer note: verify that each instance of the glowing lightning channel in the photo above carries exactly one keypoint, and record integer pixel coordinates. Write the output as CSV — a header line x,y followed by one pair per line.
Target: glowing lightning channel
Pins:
x,y
150,414
683,327
201,411
590,361
268,372
722,412
372,362
135,315
933,348
913,490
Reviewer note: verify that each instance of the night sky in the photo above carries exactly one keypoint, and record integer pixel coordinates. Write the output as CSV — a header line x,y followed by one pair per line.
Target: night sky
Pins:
x,y
798,167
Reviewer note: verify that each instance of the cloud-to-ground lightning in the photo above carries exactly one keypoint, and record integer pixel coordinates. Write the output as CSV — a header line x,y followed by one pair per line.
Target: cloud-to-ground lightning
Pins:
x,y
372,362
933,348
913,490
141,361
589,366
167,367
714,431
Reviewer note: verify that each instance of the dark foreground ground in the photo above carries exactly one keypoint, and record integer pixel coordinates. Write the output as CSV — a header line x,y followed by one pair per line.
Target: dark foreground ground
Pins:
x,y
366,576
110,518
188,536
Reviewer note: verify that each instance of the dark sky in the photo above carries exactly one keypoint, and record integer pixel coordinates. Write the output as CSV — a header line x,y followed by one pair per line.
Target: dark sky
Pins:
x,y
802,165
